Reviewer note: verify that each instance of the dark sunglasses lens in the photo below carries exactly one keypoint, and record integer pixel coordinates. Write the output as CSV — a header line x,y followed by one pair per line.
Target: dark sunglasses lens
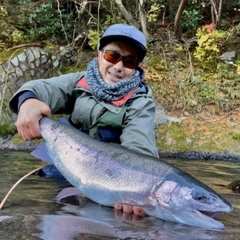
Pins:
x,y
114,57
111,56
130,62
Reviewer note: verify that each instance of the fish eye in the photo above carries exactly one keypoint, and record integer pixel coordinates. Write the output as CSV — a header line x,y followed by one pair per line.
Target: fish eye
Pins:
x,y
200,197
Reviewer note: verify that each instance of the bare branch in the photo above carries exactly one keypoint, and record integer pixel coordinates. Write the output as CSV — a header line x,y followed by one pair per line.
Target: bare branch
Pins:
x,y
126,14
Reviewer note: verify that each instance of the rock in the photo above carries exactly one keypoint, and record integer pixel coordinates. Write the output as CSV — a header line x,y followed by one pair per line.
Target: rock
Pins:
x,y
3,141
162,118
32,63
229,57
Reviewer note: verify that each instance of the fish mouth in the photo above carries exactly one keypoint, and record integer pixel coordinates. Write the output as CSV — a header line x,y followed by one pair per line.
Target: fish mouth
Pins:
x,y
212,214
205,219
209,214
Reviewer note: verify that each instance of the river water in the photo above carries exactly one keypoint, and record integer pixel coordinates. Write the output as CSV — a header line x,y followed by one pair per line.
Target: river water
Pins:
x,y
31,212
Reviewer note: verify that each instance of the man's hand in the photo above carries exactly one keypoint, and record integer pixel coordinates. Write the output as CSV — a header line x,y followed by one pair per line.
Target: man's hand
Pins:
x,y
129,209
30,112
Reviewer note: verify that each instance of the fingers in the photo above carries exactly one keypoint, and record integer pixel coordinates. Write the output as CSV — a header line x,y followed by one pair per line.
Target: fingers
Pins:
x,y
128,209
127,216
138,211
118,206
30,112
28,128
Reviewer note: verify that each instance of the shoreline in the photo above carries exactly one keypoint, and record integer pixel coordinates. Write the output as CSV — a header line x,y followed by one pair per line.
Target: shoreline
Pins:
x,y
188,154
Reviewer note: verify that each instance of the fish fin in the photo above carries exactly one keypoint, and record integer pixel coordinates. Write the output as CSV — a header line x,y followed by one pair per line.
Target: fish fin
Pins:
x,y
50,171
42,153
65,121
67,192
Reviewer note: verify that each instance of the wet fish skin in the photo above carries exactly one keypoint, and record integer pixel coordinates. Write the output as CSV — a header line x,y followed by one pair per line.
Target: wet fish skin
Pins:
x,y
108,174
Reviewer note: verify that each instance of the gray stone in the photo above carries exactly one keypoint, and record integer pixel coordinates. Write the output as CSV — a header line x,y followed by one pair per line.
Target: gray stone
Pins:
x,y
229,57
162,118
15,61
32,63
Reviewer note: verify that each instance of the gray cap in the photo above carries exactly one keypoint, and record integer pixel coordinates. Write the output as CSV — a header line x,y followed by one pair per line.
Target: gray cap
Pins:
x,y
127,34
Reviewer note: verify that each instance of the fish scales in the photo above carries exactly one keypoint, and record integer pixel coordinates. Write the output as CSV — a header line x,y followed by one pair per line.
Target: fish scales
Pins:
x,y
109,174
85,161
120,155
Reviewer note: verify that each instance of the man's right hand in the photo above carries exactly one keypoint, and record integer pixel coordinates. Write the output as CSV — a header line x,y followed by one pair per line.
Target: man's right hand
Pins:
x,y
30,112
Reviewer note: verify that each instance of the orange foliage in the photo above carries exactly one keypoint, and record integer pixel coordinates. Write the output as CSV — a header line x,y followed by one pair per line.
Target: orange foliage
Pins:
x,y
210,27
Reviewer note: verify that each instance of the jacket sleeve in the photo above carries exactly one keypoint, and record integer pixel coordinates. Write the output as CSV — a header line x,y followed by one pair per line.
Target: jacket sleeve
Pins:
x,y
138,127
56,92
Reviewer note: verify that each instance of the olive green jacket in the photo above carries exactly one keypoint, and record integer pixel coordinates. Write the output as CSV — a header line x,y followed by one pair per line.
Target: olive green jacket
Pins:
x,y
62,95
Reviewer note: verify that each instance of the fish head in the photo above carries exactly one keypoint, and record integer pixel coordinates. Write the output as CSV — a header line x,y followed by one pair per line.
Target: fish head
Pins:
x,y
188,201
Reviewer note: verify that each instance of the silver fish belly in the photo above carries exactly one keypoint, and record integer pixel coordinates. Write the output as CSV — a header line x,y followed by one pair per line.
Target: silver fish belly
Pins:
x,y
108,174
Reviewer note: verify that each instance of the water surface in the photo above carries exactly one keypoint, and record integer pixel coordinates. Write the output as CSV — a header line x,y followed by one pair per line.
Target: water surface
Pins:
x,y
31,213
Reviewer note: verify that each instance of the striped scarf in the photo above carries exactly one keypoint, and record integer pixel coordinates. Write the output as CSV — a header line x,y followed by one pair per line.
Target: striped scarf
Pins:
x,y
105,91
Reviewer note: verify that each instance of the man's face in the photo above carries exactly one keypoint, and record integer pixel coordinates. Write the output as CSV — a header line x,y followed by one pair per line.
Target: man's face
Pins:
x,y
114,73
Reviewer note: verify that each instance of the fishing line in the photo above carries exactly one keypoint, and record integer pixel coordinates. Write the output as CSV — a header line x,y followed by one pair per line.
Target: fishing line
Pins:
x,y
9,192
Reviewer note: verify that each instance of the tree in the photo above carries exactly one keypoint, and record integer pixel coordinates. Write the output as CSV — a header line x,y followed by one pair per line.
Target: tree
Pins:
x,y
125,13
143,17
177,27
216,12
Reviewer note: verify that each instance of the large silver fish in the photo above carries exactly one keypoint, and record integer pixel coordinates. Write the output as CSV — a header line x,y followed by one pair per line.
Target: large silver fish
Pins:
x,y
108,174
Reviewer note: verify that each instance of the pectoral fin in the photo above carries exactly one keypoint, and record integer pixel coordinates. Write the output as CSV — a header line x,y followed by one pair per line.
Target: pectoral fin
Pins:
x,y
67,192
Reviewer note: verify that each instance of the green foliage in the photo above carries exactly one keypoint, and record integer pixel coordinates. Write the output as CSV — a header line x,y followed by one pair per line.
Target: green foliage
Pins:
x,y
45,22
7,129
222,88
112,20
177,133
229,84
94,37
190,19
21,2
236,5
207,52
237,65
206,91
176,87
154,12
3,11
2,45
4,29
18,37
235,135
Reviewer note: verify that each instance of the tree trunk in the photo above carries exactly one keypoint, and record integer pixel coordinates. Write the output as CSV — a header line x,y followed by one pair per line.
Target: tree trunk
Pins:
x,y
143,17
125,13
177,27
216,12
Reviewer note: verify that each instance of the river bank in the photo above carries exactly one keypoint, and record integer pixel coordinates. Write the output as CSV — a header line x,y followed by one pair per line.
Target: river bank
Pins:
x,y
209,135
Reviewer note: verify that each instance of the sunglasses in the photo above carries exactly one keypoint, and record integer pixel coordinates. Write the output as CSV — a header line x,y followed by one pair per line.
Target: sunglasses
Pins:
x,y
114,57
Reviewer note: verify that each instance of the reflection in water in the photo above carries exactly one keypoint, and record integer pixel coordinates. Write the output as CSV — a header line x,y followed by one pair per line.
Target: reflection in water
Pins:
x,y
4,217
31,213
98,221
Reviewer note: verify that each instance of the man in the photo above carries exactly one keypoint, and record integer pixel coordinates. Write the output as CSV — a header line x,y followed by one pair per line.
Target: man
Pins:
x,y
109,101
